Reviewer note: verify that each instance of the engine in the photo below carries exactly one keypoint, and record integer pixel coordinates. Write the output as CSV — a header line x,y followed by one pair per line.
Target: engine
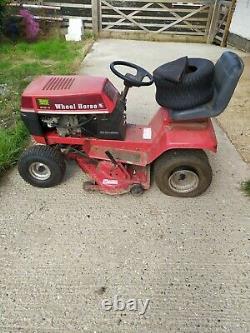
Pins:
x,y
111,126
69,125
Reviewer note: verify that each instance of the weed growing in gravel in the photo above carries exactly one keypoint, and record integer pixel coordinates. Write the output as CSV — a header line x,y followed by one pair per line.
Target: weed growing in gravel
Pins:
x,y
245,186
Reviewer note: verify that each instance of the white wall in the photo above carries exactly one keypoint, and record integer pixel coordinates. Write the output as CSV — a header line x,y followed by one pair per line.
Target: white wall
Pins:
x,y
241,19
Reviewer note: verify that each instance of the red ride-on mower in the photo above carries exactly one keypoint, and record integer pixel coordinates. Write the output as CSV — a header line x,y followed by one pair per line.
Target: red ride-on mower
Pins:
x,y
83,118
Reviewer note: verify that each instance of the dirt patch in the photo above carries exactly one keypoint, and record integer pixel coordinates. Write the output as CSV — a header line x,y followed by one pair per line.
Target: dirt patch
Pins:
x,y
236,120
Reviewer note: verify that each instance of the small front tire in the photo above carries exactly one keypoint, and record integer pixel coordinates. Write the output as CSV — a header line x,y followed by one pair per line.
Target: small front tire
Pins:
x,y
42,166
183,173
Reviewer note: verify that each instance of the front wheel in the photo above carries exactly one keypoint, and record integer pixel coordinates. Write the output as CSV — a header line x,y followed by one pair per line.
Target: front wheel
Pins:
x,y
183,173
42,166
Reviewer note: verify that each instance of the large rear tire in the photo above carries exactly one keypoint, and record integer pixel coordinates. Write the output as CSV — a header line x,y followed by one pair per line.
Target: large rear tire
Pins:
x,y
183,173
42,166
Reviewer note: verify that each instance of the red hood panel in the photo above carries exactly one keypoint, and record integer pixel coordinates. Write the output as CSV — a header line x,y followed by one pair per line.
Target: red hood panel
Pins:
x,y
69,94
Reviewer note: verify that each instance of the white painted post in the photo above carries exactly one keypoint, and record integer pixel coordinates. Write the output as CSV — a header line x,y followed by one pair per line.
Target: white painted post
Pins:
x,y
75,30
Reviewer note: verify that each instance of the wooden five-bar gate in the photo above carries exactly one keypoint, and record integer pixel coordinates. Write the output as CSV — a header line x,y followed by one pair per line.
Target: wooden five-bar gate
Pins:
x,y
179,20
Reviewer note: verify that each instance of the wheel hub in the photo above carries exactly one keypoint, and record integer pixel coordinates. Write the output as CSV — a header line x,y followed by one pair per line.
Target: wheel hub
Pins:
x,y
39,171
183,181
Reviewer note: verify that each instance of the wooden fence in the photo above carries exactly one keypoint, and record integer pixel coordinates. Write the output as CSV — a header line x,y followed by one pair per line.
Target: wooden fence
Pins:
x,y
57,11
223,12
181,20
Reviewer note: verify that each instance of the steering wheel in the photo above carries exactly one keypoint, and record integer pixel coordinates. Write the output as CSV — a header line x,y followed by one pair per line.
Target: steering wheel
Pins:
x,y
131,80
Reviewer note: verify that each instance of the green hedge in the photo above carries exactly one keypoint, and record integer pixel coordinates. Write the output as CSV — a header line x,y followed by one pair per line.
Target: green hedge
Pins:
x,y
2,12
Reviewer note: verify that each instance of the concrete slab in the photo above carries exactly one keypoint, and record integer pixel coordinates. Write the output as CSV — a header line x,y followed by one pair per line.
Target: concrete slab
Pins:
x,y
63,250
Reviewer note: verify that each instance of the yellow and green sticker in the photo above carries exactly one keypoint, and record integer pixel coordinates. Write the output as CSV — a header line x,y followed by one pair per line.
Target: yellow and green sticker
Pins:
x,y
43,102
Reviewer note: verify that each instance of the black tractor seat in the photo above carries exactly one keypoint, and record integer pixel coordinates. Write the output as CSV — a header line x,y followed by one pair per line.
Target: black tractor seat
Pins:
x,y
228,71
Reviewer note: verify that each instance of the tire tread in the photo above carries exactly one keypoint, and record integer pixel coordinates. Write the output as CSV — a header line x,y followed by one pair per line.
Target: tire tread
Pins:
x,y
170,158
47,153
195,89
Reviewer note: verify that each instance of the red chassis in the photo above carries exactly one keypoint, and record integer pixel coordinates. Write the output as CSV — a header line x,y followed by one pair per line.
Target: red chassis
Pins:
x,y
133,156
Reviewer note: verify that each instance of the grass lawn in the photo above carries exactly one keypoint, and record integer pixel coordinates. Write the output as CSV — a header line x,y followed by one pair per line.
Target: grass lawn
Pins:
x,y
19,64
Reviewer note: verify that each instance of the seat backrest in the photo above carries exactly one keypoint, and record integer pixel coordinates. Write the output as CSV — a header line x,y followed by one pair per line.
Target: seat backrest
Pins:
x,y
228,70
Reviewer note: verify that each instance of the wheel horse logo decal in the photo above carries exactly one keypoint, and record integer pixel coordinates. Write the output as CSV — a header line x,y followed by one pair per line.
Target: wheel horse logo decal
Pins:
x,y
79,106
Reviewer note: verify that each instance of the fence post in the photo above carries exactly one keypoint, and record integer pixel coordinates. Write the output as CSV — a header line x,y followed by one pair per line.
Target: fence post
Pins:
x,y
96,16
214,22
228,23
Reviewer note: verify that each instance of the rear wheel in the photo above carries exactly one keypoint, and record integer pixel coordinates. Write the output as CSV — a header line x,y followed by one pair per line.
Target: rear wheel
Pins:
x,y
42,166
183,173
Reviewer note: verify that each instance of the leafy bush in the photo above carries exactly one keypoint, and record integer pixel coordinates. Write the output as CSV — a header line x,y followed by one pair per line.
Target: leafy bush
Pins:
x,y
3,4
14,27
31,27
